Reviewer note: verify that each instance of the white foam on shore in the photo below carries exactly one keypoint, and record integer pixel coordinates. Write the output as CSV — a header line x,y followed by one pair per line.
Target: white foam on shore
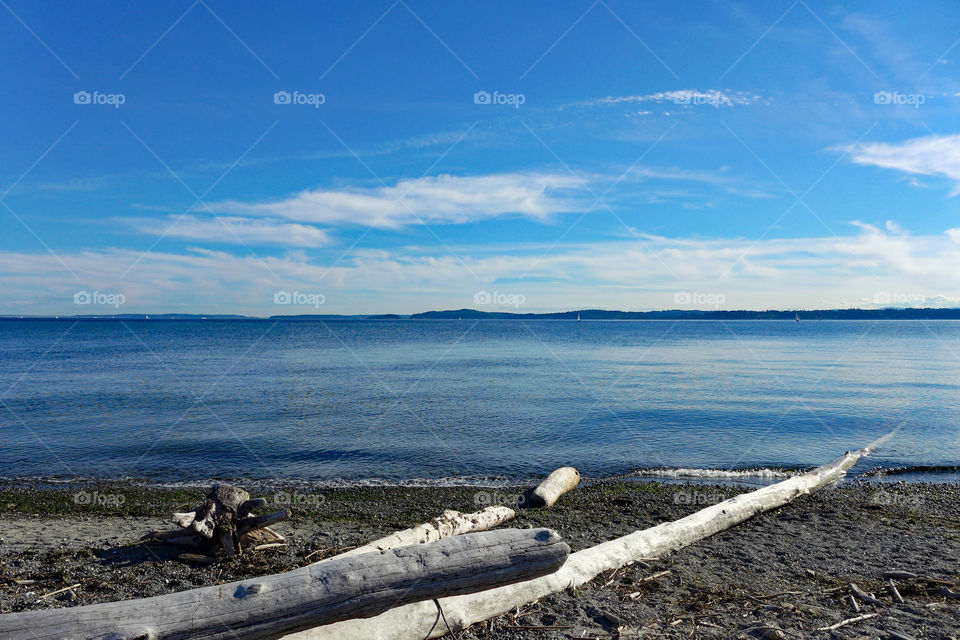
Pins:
x,y
714,473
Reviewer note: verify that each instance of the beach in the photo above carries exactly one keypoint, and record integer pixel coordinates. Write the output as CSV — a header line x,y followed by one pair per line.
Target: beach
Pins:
x,y
788,569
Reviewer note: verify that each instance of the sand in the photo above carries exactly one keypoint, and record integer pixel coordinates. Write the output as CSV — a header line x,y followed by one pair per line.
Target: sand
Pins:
x,y
788,569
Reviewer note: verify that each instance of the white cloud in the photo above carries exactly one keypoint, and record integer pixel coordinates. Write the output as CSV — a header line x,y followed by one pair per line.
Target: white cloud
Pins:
x,y
443,199
872,264
234,230
929,156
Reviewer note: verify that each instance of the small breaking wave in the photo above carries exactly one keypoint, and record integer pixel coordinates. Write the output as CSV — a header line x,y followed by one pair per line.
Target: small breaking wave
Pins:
x,y
723,474
881,472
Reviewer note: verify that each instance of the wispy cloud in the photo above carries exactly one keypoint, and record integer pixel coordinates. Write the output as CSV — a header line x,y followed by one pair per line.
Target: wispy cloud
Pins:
x,y
443,199
720,179
235,230
712,97
930,156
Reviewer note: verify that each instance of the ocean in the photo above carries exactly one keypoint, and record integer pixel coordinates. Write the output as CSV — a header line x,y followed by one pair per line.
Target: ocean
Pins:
x,y
446,401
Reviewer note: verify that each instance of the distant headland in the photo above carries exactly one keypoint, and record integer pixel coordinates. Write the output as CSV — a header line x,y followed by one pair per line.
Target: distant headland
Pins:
x,y
582,314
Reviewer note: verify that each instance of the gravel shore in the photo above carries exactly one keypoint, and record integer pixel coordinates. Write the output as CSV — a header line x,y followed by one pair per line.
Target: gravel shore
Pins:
x,y
786,570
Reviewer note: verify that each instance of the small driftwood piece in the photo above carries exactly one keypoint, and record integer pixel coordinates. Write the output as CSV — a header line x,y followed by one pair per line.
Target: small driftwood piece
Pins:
x,y
318,594
946,591
557,483
866,597
900,575
225,519
449,523
895,592
853,603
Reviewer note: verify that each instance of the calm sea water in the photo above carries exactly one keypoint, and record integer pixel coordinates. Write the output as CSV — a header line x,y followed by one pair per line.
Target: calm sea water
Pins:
x,y
402,400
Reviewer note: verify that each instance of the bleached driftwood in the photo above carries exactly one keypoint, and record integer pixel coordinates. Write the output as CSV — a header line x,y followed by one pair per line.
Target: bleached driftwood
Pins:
x,y
557,483
422,620
449,523
339,589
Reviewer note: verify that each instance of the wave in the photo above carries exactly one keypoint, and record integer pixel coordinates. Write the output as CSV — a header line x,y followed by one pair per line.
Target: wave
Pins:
x,y
908,470
714,473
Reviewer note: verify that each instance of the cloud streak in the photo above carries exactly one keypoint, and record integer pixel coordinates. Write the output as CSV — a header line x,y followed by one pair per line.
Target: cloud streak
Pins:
x,y
235,230
712,97
929,156
443,199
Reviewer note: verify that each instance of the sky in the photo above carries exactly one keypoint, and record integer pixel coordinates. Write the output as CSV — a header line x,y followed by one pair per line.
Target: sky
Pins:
x,y
203,156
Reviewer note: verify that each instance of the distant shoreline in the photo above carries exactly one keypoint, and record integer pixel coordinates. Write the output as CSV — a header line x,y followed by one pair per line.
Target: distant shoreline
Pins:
x,y
583,314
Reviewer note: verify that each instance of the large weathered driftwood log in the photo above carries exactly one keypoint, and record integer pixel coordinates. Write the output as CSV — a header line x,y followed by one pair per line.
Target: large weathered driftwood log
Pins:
x,y
321,593
449,523
422,620
557,483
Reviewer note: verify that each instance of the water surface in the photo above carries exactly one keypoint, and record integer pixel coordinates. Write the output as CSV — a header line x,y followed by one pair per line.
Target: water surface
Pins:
x,y
405,399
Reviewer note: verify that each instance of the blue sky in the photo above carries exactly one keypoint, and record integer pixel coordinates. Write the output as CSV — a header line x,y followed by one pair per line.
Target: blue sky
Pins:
x,y
402,156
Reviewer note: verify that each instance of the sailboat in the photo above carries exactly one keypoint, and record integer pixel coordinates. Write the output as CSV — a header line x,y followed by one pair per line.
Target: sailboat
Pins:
x,y
578,318
797,316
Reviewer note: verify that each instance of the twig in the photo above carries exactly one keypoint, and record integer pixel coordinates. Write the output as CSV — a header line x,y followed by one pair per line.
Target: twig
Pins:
x,y
53,593
781,593
853,603
844,623
613,576
269,545
656,575
532,627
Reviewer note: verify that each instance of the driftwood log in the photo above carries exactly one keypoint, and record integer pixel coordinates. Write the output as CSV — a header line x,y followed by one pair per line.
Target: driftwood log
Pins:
x,y
557,483
423,620
224,519
338,589
449,523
